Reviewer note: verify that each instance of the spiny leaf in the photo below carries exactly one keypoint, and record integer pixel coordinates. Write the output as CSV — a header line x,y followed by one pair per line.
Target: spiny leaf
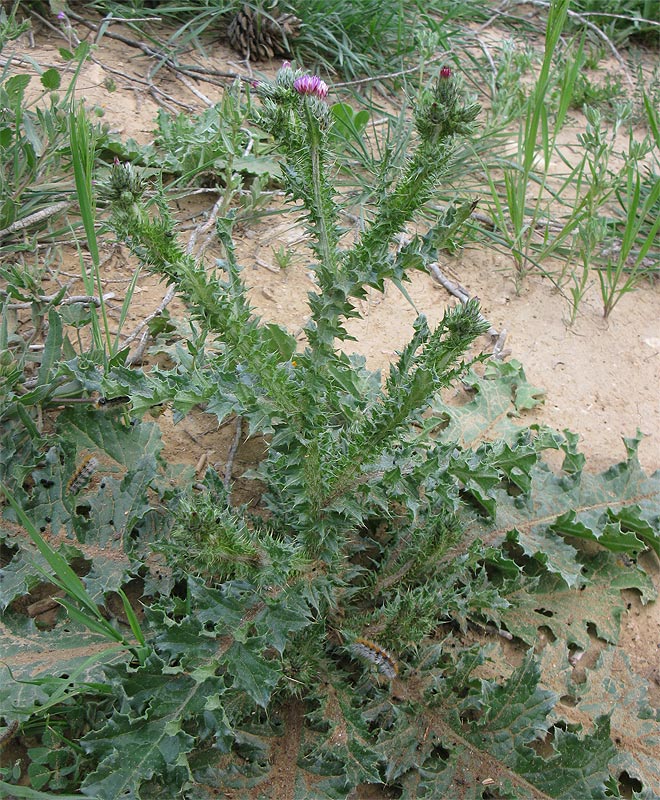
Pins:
x,y
613,688
252,673
127,445
498,745
501,394
147,740
582,505
33,660
347,750
552,604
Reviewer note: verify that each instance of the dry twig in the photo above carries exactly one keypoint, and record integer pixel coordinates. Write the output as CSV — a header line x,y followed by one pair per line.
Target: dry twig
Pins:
x,y
232,455
32,219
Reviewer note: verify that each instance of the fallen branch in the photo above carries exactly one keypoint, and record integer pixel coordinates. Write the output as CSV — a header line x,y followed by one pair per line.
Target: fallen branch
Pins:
x,y
592,27
232,455
85,299
32,219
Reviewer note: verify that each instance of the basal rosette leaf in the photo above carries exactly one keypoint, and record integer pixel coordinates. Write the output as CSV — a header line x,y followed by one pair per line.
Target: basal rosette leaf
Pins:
x,y
25,567
39,665
616,509
347,750
102,515
498,398
491,740
570,612
252,673
146,740
126,444
613,688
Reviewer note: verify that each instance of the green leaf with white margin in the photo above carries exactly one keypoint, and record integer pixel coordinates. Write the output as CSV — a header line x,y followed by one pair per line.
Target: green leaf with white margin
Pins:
x,y
500,395
252,672
553,605
610,507
147,740
281,616
611,687
345,749
101,432
498,746
33,660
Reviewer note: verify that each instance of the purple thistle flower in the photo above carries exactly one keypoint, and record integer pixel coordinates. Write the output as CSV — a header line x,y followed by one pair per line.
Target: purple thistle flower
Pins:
x,y
311,85
445,73
286,65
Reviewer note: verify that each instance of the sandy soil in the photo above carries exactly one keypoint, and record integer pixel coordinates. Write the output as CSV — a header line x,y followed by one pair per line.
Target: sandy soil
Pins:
x,y
602,378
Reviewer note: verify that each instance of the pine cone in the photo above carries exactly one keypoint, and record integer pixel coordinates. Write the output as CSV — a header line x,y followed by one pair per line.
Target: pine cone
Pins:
x,y
261,35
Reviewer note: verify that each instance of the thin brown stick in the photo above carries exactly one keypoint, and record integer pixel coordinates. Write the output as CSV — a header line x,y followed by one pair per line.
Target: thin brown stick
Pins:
x,y
592,27
32,219
161,307
387,75
137,356
232,455
204,228
88,300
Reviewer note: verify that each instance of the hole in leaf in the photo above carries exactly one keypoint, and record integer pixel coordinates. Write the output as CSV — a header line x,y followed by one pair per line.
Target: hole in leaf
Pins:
x,y
492,794
568,700
6,554
440,752
628,785
180,590
83,510
543,747
545,612
547,633
81,566
470,715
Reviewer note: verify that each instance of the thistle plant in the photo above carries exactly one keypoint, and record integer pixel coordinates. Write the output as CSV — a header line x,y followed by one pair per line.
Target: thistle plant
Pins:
x,y
333,426
342,447
323,614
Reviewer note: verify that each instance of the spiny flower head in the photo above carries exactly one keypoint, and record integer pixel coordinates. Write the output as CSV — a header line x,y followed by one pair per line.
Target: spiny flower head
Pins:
x,y
124,186
288,100
311,85
442,110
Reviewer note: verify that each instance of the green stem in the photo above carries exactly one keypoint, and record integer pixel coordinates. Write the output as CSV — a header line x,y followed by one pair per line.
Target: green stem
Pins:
x,y
326,245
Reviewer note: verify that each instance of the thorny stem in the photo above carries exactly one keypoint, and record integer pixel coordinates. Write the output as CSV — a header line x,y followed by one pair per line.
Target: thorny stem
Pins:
x,y
325,246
